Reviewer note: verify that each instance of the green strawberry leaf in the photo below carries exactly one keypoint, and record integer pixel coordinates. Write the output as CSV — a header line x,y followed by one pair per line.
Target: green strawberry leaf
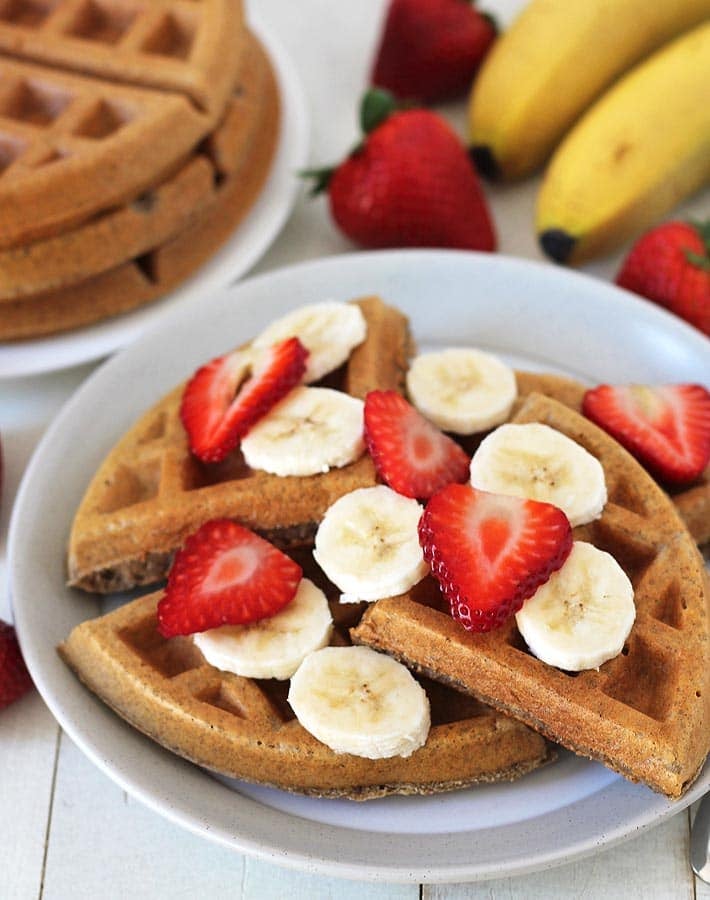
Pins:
x,y
321,179
377,105
695,259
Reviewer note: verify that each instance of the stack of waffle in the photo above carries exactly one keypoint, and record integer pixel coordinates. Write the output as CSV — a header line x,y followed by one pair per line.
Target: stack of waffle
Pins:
x,y
134,135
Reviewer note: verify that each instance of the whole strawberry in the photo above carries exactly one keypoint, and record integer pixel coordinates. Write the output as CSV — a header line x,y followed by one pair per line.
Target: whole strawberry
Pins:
x,y
670,265
14,678
430,49
410,183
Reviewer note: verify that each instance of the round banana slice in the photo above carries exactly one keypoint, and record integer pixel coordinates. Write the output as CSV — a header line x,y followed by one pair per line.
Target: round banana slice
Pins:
x,y
462,390
355,700
582,615
368,545
273,647
311,430
537,462
329,331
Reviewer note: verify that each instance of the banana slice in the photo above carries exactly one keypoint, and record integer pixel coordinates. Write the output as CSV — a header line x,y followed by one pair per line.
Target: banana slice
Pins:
x,y
536,462
355,700
311,430
462,390
582,615
329,331
273,647
367,544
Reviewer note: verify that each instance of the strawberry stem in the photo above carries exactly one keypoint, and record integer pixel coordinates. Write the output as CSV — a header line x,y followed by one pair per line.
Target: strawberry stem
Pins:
x,y
377,105
697,259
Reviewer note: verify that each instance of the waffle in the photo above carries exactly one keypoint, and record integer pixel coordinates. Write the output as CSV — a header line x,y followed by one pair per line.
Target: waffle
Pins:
x,y
72,146
150,492
151,219
179,46
244,728
235,174
692,501
645,713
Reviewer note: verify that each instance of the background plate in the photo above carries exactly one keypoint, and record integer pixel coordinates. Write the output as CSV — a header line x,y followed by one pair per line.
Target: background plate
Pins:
x,y
532,314
237,255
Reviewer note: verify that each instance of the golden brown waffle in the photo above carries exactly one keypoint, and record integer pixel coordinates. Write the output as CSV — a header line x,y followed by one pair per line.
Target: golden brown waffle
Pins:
x,y
645,713
692,501
72,146
244,728
150,492
160,213
233,162
181,46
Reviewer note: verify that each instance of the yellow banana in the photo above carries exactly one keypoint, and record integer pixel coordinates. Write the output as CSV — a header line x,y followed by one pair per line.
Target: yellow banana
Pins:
x,y
552,63
641,149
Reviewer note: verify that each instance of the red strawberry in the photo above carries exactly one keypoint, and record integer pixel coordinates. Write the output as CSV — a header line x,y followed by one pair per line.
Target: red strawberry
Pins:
x,y
667,428
410,183
225,575
489,553
430,49
219,406
14,678
671,266
410,454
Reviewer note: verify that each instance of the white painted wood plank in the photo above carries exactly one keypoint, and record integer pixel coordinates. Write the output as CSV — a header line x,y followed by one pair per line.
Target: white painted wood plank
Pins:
x,y
28,740
105,844
702,890
653,866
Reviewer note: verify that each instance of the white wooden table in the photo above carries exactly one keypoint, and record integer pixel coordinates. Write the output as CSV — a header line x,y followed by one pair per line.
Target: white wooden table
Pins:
x,y
66,830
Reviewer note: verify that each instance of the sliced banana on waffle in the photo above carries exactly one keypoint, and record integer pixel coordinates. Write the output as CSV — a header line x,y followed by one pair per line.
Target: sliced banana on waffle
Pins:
x,y
536,462
274,647
367,544
329,331
311,430
582,615
355,700
462,390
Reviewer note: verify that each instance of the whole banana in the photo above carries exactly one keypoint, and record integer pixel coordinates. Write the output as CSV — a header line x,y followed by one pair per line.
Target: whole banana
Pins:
x,y
640,150
552,63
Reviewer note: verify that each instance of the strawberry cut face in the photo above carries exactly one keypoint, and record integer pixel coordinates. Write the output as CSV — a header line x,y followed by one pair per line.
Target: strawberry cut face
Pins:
x,y
229,395
491,552
225,575
667,428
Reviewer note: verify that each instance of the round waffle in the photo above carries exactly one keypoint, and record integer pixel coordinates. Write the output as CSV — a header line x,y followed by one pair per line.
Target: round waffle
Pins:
x,y
226,175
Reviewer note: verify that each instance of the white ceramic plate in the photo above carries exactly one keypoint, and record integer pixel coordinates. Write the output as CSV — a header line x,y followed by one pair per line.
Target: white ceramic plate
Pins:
x,y
533,315
243,249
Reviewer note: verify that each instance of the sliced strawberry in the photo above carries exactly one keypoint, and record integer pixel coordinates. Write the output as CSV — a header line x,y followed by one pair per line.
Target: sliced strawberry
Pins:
x,y
667,428
225,575
489,552
14,678
224,398
410,454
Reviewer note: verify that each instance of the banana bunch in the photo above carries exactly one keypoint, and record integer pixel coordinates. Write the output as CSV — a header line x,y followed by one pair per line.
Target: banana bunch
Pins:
x,y
636,144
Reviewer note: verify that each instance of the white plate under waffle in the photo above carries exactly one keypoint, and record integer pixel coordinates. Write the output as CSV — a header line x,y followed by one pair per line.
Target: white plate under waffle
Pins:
x,y
535,316
250,241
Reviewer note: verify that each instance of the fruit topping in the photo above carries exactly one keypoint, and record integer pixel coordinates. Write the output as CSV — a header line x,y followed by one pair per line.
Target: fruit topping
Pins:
x,y
14,678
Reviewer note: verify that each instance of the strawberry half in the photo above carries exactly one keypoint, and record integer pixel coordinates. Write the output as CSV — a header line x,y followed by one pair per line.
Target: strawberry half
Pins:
x,y
225,575
489,552
410,454
667,428
14,678
224,398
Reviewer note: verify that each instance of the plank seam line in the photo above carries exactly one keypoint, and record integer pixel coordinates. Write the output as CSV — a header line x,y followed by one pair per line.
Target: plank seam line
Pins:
x,y
51,810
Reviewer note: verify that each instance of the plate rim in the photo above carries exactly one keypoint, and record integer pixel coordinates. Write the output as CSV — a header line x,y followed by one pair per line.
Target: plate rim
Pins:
x,y
275,852
36,356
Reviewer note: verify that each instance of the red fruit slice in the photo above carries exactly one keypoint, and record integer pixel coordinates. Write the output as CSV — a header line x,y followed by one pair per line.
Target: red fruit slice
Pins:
x,y
224,398
667,428
410,454
225,575
489,553
14,678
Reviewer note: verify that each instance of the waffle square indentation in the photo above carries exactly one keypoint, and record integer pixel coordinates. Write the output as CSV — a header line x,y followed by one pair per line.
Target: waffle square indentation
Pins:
x,y
34,102
168,657
101,121
130,485
647,681
170,37
27,13
95,21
